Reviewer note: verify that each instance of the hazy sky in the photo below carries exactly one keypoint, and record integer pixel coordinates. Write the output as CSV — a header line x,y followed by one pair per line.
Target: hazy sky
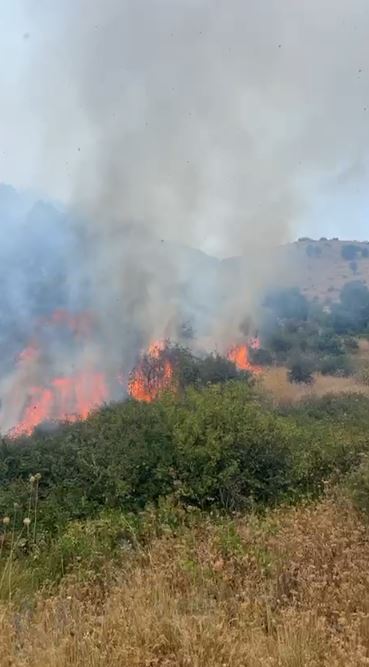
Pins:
x,y
301,68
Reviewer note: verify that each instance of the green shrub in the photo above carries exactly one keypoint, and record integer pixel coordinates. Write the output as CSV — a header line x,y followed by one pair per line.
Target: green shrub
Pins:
x,y
338,365
229,451
358,486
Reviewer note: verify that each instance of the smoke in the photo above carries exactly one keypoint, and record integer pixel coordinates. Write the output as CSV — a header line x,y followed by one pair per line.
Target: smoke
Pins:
x,y
190,123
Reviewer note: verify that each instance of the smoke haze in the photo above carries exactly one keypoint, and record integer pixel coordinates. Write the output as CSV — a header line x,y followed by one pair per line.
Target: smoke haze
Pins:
x,y
164,124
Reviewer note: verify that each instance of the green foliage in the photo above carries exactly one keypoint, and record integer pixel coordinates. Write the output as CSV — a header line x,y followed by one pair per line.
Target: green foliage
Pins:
x,y
134,471
292,327
358,486
220,446
338,365
229,451
351,315
192,370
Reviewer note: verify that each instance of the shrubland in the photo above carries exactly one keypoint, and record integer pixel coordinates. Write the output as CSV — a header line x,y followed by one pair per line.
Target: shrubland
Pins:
x,y
214,525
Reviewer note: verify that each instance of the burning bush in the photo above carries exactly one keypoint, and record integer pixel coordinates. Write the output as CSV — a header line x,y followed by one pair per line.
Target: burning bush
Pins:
x,y
171,367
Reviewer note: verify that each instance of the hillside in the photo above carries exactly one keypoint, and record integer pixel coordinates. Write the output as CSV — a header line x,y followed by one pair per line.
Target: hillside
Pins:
x,y
318,268
321,268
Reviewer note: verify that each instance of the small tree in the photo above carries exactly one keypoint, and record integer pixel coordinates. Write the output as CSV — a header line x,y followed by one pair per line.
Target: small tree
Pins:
x,y
301,371
350,252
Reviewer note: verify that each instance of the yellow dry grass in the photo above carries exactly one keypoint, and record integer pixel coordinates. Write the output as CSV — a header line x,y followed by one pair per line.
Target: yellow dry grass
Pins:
x,y
289,590
275,382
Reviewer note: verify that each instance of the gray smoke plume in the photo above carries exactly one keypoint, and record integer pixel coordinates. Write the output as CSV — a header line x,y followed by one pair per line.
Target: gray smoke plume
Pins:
x,y
168,124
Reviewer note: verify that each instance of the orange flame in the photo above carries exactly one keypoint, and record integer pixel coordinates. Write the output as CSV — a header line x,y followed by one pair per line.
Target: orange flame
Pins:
x,y
153,375
60,398
64,399
240,356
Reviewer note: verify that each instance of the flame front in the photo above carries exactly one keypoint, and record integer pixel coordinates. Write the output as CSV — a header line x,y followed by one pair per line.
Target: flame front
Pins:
x,y
64,399
39,390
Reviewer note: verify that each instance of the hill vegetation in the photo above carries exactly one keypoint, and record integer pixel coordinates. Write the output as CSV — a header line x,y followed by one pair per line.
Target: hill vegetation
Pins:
x,y
208,527
321,268
224,523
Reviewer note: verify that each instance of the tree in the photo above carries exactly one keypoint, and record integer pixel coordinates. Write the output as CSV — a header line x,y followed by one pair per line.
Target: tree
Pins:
x,y
301,371
351,315
261,357
350,252
288,303
353,267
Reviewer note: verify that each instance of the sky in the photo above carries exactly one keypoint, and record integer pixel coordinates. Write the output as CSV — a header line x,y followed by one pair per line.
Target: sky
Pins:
x,y
299,72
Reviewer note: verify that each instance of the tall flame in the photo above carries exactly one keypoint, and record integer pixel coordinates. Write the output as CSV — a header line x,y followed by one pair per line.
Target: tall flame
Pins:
x,y
63,399
35,396
153,375
240,356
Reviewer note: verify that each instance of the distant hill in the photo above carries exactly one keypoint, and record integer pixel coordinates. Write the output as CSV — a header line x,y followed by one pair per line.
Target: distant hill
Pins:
x,y
321,268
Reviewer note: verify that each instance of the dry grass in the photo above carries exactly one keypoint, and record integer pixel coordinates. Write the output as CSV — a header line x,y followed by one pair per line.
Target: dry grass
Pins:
x,y
290,590
275,382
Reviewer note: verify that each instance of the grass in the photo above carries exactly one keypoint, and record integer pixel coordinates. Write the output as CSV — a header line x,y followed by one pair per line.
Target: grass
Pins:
x,y
276,383
289,589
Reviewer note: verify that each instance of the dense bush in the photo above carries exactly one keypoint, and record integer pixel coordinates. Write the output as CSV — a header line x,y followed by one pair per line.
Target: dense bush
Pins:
x,y
301,371
219,446
216,445
229,450
350,251
338,365
294,327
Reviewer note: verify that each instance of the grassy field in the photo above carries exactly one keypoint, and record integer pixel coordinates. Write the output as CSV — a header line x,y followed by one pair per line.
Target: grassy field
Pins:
x,y
289,589
275,382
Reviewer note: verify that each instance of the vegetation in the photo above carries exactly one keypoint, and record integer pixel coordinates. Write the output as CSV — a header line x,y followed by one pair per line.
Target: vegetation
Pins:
x,y
308,337
288,588
220,524
350,251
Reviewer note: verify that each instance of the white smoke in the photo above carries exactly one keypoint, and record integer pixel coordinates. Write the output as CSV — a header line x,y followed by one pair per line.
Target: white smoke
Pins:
x,y
200,123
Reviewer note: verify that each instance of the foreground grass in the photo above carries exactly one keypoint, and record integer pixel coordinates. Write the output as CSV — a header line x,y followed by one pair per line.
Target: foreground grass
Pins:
x,y
288,589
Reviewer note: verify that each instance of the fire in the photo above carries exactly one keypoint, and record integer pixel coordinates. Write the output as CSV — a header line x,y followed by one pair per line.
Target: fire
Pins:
x,y
42,391
240,356
64,399
153,375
